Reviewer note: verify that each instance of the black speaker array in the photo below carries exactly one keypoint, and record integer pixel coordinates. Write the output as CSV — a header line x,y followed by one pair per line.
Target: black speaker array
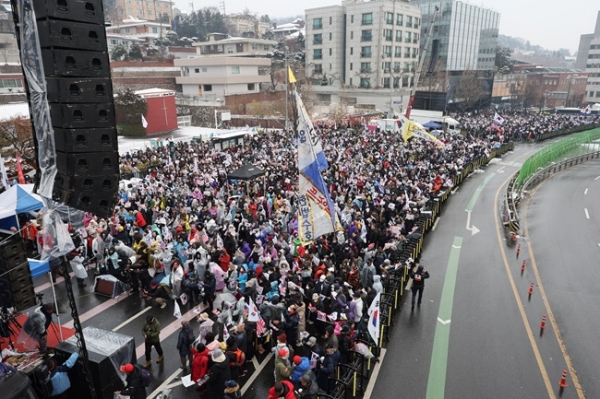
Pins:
x,y
16,285
80,95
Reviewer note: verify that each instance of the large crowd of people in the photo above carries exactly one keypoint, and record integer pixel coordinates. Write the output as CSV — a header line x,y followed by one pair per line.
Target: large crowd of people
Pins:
x,y
182,231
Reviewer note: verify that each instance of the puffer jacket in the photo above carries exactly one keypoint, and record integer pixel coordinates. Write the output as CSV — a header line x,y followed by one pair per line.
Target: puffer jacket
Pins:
x,y
300,369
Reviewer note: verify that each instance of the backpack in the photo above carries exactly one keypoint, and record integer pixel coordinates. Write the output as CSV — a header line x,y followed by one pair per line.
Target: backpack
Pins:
x,y
145,376
240,358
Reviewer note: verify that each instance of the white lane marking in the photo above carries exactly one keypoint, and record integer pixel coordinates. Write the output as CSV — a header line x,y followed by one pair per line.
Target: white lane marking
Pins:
x,y
435,224
256,373
444,322
585,192
373,378
138,314
587,215
164,385
457,246
597,178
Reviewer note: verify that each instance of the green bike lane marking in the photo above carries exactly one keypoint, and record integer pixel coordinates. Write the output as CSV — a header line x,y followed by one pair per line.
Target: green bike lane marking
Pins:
x,y
436,383
480,188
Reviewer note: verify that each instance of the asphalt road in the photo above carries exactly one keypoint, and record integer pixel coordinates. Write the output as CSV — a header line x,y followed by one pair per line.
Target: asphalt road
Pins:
x,y
476,333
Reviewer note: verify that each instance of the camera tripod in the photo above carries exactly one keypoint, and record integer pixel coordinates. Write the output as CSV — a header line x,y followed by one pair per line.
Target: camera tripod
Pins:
x,y
9,326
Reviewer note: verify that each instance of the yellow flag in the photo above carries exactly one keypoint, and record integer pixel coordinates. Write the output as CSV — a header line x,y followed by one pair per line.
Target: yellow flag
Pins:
x,y
291,77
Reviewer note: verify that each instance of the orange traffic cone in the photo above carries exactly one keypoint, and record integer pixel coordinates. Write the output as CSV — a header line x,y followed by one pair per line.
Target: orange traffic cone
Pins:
x,y
543,325
518,250
523,267
530,291
563,380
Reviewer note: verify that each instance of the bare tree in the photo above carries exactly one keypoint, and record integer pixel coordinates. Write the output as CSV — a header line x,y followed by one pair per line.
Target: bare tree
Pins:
x,y
469,89
16,136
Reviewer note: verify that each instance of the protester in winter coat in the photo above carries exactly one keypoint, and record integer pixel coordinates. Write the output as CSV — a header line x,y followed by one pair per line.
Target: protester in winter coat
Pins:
x,y
301,367
36,325
200,362
184,341
135,388
59,375
418,284
308,388
282,389
151,334
283,369
219,373
327,370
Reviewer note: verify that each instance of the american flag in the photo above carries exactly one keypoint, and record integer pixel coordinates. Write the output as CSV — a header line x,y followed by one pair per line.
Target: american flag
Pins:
x,y
260,326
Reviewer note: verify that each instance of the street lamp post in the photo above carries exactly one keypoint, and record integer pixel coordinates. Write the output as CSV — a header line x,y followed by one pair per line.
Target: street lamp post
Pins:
x,y
392,62
287,88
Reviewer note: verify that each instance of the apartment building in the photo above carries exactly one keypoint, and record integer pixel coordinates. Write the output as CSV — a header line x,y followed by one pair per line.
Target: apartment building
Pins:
x,y
588,59
363,53
218,77
152,10
220,45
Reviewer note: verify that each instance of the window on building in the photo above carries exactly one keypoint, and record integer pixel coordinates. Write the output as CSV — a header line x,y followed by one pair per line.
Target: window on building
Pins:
x,y
351,50
317,54
330,36
251,86
396,83
366,35
417,22
10,83
396,67
405,67
387,51
350,66
407,37
406,52
388,34
367,19
386,83
398,51
365,67
318,38
398,35
351,19
351,35
399,19
409,21
365,51
205,70
318,68
207,87
365,83
330,52
318,23
154,29
196,70
404,81
254,46
113,41
235,70
386,66
414,52
389,18
330,20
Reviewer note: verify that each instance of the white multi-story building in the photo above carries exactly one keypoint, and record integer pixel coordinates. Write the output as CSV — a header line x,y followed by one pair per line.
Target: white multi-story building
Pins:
x,y
363,52
222,45
217,77
588,59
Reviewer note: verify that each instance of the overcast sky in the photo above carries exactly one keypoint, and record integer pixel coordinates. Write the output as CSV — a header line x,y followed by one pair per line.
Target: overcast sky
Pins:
x,y
550,24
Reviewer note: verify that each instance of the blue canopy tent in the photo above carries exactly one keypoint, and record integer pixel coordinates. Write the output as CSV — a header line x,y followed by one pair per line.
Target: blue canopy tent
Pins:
x,y
17,199
433,125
